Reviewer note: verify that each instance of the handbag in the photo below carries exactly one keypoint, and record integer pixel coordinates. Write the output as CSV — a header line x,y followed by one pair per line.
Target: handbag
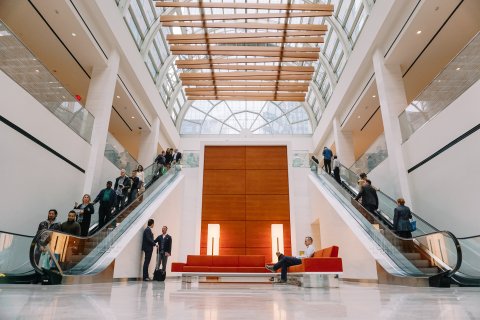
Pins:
x,y
44,260
413,225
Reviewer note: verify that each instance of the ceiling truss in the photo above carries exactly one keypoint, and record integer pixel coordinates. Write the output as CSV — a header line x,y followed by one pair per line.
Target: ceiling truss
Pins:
x,y
246,56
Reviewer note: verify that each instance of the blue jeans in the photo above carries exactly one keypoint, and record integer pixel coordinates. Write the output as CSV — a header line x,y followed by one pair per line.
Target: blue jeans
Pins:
x,y
284,263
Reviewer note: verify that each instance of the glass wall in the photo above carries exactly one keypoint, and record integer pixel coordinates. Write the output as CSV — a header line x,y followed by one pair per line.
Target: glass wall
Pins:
x,y
462,72
24,68
119,156
374,155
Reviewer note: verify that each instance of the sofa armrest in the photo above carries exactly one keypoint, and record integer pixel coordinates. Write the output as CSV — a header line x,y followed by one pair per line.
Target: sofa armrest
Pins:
x,y
178,266
324,264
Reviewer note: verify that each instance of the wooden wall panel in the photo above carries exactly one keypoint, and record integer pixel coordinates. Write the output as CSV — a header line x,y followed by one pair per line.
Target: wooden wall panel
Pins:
x,y
223,207
267,252
223,182
224,157
266,157
245,190
267,207
232,233
259,234
267,182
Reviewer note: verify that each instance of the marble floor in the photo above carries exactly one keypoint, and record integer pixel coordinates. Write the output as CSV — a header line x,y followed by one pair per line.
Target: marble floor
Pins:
x,y
153,300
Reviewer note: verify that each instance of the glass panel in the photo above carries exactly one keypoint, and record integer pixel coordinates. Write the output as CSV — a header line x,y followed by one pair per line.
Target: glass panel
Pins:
x,y
14,260
117,155
462,72
375,154
23,68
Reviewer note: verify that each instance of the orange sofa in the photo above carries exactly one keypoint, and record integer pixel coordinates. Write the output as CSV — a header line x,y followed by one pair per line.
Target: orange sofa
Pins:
x,y
325,260
221,264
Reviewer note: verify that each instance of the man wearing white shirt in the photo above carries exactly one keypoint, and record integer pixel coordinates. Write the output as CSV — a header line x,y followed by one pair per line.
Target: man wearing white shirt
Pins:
x,y
285,261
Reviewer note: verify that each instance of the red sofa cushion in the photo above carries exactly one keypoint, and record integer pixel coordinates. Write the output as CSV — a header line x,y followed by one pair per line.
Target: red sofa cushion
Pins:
x,y
327,252
253,269
318,265
194,260
196,269
177,266
225,261
223,269
251,261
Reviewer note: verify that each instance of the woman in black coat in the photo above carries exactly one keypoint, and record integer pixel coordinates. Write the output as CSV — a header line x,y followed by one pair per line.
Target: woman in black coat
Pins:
x,y
401,219
85,211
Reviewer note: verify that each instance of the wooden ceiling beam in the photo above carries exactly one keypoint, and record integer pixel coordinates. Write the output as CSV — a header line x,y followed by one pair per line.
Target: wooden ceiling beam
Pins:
x,y
187,47
206,90
249,67
251,25
250,94
257,77
202,36
200,75
295,39
239,98
243,16
311,56
190,62
236,5
248,83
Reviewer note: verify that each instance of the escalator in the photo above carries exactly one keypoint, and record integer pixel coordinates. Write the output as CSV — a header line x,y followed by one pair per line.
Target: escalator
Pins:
x,y
469,273
430,257
15,264
54,256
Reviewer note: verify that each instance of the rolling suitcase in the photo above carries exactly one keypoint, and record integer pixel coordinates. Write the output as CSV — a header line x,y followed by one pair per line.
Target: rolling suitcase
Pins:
x,y
158,274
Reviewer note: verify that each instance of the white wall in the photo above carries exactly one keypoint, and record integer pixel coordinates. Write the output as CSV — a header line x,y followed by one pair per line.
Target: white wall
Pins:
x,y
358,263
383,178
445,189
130,261
36,180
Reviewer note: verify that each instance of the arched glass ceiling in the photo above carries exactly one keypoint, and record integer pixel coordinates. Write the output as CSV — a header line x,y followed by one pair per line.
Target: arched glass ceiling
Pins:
x,y
344,27
257,117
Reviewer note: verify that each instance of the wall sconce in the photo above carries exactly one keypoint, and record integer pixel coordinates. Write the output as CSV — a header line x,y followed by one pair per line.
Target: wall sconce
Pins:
x,y
277,241
213,241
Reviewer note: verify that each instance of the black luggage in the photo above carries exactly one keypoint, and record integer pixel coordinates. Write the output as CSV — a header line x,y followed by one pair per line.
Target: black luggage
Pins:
x,y
158,274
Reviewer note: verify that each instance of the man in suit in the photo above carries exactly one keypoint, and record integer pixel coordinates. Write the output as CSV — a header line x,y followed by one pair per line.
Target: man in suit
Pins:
x,y
147,246
165,247
107,200
122,185
368,195
177,156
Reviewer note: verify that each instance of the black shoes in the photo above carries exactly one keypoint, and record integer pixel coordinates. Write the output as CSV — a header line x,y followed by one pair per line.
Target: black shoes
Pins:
x,y
269,268
147,279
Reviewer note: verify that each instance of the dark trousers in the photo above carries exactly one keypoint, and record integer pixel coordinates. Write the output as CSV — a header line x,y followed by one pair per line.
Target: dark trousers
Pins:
x,y
328,165
336,174
146,263
284,263
163,262
120,202
103,215
133,195
370,207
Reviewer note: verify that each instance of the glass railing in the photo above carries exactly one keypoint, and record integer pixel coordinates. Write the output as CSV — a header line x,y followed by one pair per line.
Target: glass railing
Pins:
x,y
430,254
72,255
22,67
461,73
14,260
469,272
374,155
118,155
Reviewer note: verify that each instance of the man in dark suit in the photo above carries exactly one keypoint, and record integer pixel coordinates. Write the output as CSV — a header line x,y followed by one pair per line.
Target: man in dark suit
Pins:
x,y
177,156
147,246
165,247
122,185
107,200
368,195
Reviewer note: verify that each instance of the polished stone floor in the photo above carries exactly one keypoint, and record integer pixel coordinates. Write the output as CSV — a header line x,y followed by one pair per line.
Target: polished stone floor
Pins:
x,y
142,300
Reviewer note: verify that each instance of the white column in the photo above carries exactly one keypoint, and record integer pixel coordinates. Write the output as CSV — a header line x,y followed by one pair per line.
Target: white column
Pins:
x,y
149,143
391,92
343,144
99,102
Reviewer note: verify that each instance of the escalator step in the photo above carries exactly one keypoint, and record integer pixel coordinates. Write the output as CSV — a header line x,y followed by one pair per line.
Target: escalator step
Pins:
x,y
431,270
412,256
421,263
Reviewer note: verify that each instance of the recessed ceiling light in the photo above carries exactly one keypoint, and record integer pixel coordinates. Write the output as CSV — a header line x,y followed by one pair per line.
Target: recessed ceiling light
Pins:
x,y
118,97
133,117
63,97
36,70
74,34
358,117
374,96
458,68
419,31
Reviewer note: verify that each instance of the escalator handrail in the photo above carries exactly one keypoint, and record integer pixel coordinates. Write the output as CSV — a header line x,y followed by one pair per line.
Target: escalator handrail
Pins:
x,y
469,237
417,217
38,236
447,273
106,225
16,234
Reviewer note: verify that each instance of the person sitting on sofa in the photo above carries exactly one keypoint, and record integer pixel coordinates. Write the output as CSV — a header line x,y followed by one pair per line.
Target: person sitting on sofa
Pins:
x,y
285,261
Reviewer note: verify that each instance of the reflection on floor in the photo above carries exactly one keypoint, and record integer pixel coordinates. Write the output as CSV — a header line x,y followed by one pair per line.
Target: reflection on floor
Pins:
x,y
154,300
